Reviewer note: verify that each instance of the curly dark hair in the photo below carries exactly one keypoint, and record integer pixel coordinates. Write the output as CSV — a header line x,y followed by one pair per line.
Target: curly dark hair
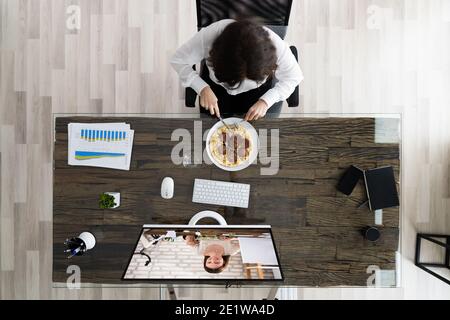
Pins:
x,y
243,50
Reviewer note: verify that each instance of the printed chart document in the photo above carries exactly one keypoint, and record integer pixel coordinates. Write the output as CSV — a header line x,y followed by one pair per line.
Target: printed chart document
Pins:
x,y
106,145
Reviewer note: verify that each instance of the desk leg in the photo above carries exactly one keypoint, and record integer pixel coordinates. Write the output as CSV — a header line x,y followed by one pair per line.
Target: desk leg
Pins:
x,y
272,293
171,290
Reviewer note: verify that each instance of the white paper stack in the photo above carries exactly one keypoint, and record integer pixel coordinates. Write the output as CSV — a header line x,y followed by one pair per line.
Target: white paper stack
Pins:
x,y
106,145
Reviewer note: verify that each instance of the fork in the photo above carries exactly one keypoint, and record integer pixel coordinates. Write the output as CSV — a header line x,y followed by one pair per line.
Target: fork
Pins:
x,y
235,125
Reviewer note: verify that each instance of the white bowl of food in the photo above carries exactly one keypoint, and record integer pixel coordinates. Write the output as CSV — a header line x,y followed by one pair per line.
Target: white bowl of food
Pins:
x,y
233,148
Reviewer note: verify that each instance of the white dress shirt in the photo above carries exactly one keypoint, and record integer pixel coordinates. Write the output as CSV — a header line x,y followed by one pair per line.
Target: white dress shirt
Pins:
x,y
230,248
288,73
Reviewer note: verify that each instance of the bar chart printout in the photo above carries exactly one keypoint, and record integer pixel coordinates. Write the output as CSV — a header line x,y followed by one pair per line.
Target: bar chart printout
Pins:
x,y
107,145
102,135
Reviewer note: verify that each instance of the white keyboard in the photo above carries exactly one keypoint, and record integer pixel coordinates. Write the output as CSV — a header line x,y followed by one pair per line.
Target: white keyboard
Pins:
x,y
223,193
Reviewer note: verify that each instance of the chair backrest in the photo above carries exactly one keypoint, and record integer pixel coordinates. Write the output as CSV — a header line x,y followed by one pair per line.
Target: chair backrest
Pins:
x,y
273,13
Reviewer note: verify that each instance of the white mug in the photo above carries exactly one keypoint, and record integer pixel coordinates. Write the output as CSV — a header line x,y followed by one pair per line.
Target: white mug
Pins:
x,y
88,238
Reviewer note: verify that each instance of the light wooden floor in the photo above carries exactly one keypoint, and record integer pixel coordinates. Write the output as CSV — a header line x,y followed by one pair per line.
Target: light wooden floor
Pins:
x,y
362,56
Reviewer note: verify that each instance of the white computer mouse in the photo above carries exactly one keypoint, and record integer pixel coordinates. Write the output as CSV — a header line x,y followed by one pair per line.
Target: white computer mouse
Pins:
x,y
167,187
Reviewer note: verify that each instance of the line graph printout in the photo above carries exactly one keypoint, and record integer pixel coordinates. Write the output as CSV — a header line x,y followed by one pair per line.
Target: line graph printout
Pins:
x,y
107,145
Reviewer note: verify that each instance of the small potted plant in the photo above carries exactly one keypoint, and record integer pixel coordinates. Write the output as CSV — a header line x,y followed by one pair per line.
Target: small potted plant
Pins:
x,y
109,200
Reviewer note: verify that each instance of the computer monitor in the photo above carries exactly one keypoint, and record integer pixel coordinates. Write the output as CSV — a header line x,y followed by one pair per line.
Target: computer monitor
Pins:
x,y
204,253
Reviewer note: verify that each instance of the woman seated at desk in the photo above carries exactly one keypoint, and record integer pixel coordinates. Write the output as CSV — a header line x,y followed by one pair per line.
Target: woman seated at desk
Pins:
x,y
242,58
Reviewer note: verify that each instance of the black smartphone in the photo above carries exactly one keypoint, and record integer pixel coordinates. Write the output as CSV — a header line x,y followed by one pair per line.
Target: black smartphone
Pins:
x,y
349,180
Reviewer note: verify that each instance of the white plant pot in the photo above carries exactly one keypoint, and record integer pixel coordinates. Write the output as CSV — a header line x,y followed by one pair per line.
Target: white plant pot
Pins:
x,y
116,196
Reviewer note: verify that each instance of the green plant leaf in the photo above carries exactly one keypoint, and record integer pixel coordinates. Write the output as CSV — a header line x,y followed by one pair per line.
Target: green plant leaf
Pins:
x,y
106,201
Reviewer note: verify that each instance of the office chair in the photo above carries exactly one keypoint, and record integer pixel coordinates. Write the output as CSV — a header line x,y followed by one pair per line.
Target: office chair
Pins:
x,y
274,14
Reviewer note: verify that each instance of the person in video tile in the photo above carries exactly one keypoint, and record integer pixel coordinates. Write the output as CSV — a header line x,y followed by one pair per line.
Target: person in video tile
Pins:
x,y
217,253
216,250
191,240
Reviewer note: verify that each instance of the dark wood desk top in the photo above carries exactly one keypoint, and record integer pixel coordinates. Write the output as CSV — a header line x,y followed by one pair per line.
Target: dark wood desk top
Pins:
x,y
316,228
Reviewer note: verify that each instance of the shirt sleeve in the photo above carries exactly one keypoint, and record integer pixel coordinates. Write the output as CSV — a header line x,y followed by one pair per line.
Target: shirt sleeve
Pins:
x,y
288,74
194,51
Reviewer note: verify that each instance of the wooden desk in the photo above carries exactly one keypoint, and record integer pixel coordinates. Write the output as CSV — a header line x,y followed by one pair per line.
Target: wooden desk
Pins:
x,y
316,228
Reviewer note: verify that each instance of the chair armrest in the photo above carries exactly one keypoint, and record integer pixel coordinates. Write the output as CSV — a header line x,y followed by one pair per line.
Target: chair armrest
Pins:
x,y
293,99
190,97
294,52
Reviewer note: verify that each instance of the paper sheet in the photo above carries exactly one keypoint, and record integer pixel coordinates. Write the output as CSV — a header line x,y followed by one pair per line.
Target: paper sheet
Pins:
x,y
116,138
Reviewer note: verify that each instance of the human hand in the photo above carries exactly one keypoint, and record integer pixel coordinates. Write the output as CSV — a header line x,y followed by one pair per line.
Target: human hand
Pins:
x,y
257,111
208,100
